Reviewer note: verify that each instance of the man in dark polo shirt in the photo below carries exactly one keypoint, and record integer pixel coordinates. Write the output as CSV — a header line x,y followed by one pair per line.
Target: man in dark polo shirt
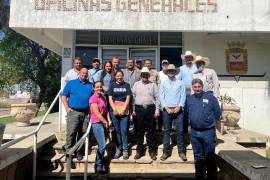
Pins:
x,y
75,97
203,112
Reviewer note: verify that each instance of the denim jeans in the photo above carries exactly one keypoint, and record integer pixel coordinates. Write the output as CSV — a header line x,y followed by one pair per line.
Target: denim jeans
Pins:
x,y
167,123
120,124
98,130
203,145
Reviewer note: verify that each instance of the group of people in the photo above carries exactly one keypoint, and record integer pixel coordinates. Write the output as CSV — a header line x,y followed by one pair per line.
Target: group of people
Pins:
x,y
111,96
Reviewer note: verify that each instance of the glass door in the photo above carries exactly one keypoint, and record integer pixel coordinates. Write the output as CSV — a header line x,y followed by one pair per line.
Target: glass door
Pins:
x,y
108,53
142,54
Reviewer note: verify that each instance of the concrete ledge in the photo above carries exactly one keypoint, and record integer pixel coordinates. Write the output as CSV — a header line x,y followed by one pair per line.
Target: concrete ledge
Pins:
x,y
243,161
21,150
236,161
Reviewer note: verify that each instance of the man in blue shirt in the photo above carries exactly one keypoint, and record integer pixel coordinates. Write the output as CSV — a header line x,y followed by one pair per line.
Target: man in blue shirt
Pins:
x,y
95,72
204,111
172,99
75,98
187,70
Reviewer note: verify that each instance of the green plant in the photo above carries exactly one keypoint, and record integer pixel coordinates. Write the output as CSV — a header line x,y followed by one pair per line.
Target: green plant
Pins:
x,y
227,100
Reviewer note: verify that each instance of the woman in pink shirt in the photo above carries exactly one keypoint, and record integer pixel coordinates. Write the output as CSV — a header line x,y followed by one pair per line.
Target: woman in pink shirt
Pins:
x,y
100,121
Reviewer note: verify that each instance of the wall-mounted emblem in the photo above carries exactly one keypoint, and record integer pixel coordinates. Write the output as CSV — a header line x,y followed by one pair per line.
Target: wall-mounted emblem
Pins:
x,y
236,58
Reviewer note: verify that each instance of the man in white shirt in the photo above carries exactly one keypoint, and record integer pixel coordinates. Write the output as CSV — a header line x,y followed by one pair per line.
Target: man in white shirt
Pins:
x,y
162,75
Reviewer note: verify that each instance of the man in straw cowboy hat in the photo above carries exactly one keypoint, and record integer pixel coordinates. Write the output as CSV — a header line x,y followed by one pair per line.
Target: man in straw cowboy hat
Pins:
x,y
187,70
207,75
172,97
146,109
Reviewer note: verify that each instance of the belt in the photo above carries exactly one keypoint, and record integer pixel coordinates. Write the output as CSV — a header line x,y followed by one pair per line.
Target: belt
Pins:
x,y
81,110
145,106
202,129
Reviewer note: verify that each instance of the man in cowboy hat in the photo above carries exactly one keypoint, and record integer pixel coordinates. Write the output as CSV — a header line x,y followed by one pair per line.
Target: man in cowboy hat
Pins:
x,y
187,70
146,109
207,75
172,96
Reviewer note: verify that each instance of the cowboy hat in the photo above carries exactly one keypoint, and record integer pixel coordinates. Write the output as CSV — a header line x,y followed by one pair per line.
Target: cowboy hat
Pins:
x,y
188,53
164,61
171,67
145,70
203,59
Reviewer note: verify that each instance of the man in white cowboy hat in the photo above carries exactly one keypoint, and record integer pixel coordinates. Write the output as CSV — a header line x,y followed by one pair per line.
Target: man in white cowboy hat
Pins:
x,y
172,94
187,70
146,109
207,75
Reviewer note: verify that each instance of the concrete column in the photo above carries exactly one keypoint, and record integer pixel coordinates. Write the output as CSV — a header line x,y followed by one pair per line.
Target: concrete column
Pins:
x,y
68,53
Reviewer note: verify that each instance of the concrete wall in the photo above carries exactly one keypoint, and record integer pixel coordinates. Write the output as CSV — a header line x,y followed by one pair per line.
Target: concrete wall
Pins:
x,y
157,15
251,93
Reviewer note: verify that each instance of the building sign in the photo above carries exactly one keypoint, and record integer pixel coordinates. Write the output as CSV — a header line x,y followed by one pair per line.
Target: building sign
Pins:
x,y
172,6
236,58
67,52
128,38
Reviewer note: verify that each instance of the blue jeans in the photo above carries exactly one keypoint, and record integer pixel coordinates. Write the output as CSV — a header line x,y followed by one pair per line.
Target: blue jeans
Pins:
x,y
203,145
98,130
120,124
167,123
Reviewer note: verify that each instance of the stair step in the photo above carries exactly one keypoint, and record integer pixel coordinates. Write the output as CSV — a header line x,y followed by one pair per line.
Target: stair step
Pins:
x,y
131,171
174,158
60,144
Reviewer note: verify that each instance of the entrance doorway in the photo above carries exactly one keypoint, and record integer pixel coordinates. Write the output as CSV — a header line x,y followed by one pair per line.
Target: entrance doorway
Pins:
x,y
173,55
142,54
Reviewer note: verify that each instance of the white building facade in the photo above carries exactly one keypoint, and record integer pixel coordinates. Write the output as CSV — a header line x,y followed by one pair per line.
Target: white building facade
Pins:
x,y
233,34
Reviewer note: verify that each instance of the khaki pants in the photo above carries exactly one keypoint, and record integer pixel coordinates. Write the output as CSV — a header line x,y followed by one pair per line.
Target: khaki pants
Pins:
x,y
76,126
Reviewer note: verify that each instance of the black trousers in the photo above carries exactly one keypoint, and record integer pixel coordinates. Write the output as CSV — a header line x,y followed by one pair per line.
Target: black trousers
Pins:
x,y
145,120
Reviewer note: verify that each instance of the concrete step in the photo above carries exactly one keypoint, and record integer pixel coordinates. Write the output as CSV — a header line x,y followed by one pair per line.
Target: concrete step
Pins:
x,y
58,146
56,158
132,171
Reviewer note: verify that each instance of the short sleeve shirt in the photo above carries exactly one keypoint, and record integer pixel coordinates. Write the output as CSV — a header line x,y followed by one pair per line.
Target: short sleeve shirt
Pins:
x,y
101,103
119,92
78,94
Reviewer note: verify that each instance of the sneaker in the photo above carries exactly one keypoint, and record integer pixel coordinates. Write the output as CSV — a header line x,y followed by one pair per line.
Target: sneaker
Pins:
x,y
164,157
118,154
138,155
153,156
79,156
125,155
183,156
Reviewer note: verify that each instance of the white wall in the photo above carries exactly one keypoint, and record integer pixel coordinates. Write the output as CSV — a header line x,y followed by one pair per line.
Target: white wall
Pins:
x,y
252,94
210,15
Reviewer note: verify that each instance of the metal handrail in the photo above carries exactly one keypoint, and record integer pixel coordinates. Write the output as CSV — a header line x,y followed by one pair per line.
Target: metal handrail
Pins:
x,y
35,133
84,139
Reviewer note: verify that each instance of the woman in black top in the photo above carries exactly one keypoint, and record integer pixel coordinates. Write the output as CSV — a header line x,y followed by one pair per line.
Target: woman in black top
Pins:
x,y
119,97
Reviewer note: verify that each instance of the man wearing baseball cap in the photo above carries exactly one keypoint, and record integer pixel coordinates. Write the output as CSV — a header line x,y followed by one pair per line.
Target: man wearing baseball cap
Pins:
x,y
95,72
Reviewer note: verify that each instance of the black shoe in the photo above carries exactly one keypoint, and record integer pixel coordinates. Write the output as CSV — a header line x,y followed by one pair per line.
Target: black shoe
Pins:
x,y
101,170
125,155
138,155
164,157
118,154
79,156
153,156
183,156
